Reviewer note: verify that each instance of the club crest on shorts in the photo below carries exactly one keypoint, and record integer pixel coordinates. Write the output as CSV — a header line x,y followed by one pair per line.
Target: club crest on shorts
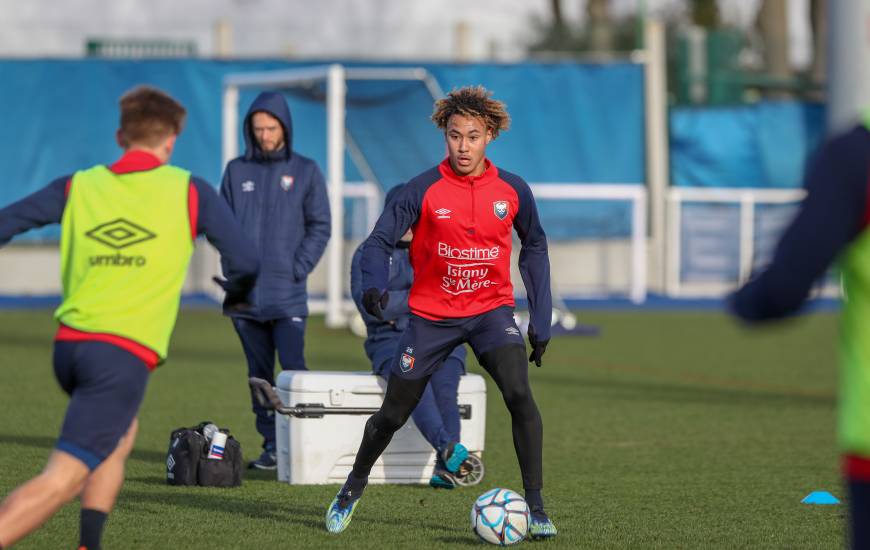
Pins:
x,y
407,362
500,209
286,182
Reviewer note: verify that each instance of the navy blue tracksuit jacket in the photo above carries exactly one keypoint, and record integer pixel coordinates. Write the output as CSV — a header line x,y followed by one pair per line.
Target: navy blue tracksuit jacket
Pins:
x,y
383,336
281,203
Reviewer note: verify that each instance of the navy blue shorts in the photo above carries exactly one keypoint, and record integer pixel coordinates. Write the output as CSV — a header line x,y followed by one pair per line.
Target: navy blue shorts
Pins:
x,y
106,385
426,344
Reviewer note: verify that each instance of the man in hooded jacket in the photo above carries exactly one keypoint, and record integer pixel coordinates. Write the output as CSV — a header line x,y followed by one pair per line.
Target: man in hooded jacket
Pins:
x,y
279,198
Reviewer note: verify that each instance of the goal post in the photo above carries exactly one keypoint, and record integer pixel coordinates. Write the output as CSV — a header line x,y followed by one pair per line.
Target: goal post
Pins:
x,y
589,262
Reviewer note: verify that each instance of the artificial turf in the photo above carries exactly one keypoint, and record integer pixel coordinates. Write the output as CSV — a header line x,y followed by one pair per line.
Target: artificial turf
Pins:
x,y
669,430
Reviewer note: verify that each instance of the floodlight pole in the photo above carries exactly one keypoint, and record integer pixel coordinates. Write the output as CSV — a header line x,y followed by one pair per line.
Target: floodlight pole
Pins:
x,y
231,124
336,91
656,107
849,76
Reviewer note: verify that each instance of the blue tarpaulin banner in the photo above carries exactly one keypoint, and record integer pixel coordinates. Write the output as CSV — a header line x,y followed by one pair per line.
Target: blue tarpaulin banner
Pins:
x,y
572,123
762,145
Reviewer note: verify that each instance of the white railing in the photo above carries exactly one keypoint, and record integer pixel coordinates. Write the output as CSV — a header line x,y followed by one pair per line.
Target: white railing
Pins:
x,y
635,193
745,198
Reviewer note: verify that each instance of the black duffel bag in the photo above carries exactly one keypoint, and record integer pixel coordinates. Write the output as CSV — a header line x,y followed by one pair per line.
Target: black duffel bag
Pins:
x,y
187,461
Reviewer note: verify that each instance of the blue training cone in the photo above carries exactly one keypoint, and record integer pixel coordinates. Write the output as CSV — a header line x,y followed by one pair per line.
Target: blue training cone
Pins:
x,y
820,497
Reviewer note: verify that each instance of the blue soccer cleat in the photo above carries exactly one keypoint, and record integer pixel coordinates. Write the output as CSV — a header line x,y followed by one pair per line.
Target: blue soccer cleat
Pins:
x,y
453,456
341,510
541,527
441,478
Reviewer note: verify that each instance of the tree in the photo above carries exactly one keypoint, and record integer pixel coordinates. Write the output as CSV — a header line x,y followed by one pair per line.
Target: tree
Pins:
x,y
773,24
600,26
705,13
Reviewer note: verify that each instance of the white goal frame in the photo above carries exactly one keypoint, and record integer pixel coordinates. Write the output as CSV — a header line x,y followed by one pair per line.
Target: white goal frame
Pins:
x,y
335,77
637,195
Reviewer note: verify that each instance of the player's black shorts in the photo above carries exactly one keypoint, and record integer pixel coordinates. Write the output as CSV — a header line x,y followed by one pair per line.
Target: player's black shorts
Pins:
x,y
106,385
426,344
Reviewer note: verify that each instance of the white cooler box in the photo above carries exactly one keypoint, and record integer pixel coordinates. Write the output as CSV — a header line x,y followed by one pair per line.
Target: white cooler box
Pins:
x,y
315,450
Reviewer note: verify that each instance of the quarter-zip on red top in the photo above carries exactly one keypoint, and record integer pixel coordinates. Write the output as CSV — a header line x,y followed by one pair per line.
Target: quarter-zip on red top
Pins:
x,y
461,250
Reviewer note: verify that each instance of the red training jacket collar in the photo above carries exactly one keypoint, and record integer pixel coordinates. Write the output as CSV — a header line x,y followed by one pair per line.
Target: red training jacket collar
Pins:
x,y
135,161
489,174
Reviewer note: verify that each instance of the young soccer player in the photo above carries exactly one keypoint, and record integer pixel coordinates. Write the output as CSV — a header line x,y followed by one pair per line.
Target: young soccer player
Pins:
x,y
437,414
127,234
833,222
462,213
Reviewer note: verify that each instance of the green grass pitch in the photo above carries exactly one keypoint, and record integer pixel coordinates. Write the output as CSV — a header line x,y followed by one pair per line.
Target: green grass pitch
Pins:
x,y
670,430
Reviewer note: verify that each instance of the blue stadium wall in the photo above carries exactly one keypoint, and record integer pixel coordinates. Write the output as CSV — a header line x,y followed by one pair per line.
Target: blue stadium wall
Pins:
x,y
572,123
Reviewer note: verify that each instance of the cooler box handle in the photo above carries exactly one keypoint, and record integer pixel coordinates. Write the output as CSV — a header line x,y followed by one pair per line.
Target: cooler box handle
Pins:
x,y
267,397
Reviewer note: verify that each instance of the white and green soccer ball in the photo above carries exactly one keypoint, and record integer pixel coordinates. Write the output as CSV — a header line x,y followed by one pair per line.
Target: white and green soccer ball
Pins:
x,y
500,516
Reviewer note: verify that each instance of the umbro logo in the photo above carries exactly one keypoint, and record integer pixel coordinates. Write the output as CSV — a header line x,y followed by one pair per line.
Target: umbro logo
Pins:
x,y
513,331
248,186
120,234
443,214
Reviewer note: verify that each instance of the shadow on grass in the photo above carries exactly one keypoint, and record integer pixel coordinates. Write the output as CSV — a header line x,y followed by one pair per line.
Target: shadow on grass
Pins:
x,y
460,541
147,455
693,391
251,476
155,480
37,441
46,442
210,356
254,506
218,501
26,340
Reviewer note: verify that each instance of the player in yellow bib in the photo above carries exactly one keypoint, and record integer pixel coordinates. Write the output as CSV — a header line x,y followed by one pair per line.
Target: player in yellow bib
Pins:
x,y
833,225
127,234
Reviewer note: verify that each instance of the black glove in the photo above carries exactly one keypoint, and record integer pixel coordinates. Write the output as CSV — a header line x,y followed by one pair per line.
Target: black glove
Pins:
x,y
538,347
374,301
234,300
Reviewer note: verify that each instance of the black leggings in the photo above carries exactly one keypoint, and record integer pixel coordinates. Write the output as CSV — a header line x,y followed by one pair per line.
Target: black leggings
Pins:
x,y
859,512
508,367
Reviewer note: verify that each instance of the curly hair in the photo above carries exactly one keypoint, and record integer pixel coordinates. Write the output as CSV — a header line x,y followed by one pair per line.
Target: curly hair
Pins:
x,y
472,101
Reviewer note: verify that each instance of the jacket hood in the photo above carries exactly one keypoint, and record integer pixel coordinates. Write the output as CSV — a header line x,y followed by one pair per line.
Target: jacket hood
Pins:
x,y
274,104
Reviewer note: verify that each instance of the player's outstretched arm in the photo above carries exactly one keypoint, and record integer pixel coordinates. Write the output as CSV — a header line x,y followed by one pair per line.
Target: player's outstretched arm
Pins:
x,y
832,215
41,208
238,256
534,265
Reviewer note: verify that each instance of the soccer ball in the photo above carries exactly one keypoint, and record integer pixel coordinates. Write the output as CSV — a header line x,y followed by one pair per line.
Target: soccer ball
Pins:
x,y
500,516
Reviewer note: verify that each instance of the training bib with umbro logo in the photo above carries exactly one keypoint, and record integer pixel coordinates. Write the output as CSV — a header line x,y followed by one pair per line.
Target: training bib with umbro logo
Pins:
x,y
125,248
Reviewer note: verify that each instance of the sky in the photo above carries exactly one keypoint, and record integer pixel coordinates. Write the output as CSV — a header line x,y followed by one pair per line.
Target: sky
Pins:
x,y
376,29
